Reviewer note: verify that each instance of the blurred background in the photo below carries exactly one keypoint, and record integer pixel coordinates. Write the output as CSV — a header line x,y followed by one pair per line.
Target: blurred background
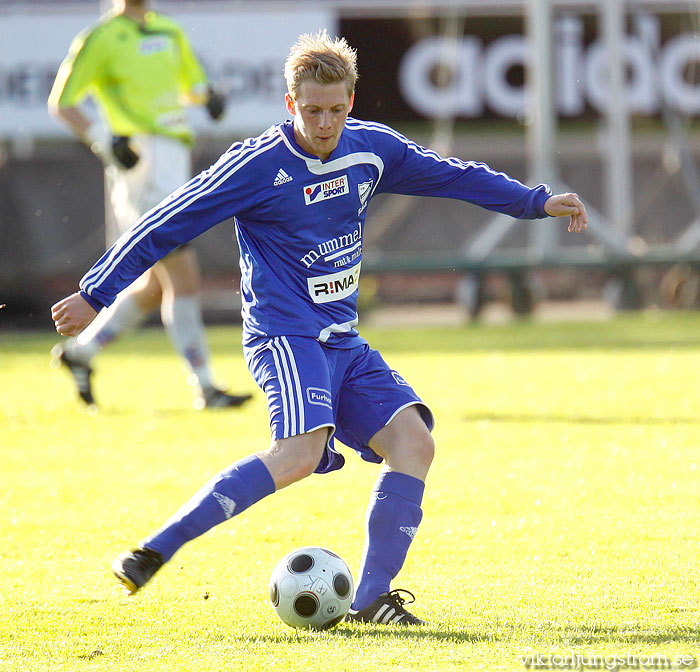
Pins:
x,y
597,97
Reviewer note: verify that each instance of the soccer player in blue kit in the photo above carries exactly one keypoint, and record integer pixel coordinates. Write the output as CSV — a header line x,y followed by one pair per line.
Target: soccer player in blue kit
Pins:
x,y
299,194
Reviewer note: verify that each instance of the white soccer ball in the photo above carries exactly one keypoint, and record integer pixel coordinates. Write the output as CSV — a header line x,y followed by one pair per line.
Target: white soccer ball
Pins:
x,y
311,588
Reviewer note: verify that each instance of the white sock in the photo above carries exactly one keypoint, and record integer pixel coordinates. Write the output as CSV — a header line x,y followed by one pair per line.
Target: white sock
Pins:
x,y
110,323
183,322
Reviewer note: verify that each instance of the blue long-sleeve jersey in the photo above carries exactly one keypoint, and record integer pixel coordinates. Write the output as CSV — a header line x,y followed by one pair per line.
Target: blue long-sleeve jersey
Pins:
x,y
300,222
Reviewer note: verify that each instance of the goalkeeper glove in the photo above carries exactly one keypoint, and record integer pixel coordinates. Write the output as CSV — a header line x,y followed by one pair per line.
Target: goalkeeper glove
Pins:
x,y
216,104
109,148
123,152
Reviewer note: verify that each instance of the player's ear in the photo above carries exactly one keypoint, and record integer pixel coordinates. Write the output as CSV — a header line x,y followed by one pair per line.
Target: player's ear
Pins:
x,y
289,101
352,102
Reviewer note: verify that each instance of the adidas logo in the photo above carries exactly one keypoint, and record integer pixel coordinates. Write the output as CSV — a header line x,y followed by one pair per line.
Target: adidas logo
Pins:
x,y
226,503
410,531
282,178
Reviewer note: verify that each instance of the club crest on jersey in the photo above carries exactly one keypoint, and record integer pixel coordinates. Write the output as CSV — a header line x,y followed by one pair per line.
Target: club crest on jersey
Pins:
x,y
322,191
363,191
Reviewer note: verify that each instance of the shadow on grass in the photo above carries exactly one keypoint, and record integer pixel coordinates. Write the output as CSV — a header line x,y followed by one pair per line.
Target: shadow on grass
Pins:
x,y
523,634
617,635
554,418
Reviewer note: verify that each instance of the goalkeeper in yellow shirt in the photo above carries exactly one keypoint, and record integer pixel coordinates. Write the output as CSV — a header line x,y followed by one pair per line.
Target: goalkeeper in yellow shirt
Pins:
x,y
139,69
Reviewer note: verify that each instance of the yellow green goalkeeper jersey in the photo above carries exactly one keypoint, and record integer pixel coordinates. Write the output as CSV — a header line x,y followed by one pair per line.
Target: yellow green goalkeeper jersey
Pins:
x,y
140,74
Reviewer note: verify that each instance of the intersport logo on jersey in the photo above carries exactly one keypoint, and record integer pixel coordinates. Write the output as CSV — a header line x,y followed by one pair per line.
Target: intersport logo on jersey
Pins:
x,y
334,286
322,191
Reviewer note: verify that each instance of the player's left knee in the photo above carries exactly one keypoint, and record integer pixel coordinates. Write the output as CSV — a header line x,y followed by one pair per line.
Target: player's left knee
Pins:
x,y
416,439
423,447
411,454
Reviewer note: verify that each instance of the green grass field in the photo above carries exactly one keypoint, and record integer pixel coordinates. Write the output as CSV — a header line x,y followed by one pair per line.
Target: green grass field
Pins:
x,y
562,514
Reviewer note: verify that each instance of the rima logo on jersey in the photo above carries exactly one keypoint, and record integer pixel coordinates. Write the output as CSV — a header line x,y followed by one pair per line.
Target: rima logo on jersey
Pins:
x,y
322,191
334,286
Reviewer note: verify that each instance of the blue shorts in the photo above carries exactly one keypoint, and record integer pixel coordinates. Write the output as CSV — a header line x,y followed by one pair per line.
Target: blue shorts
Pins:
x,y
310,385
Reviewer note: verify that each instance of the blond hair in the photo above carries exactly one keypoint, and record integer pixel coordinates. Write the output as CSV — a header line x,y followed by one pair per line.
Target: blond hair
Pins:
x,y
322,59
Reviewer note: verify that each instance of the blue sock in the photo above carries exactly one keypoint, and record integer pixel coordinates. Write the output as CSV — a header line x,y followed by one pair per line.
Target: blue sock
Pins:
x,y
224,496
393,516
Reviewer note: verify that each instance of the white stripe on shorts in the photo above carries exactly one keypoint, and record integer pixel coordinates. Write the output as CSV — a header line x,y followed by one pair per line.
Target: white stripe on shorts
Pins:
x,y
283,390
297,384
290,387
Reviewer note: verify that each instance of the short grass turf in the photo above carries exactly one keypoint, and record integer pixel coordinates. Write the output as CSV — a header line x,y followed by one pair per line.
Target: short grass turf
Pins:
x,y
561,517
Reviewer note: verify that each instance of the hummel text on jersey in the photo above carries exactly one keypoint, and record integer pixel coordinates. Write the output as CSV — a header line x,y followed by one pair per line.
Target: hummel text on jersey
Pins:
x,y
282,178
321,191
340,250
334,286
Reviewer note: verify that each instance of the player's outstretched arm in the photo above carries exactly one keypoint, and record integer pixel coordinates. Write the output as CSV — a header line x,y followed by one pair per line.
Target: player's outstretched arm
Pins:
x,y
568,205
72,314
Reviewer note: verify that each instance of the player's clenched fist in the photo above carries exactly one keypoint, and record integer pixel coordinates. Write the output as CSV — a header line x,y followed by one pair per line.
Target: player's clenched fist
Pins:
x,y
72,314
